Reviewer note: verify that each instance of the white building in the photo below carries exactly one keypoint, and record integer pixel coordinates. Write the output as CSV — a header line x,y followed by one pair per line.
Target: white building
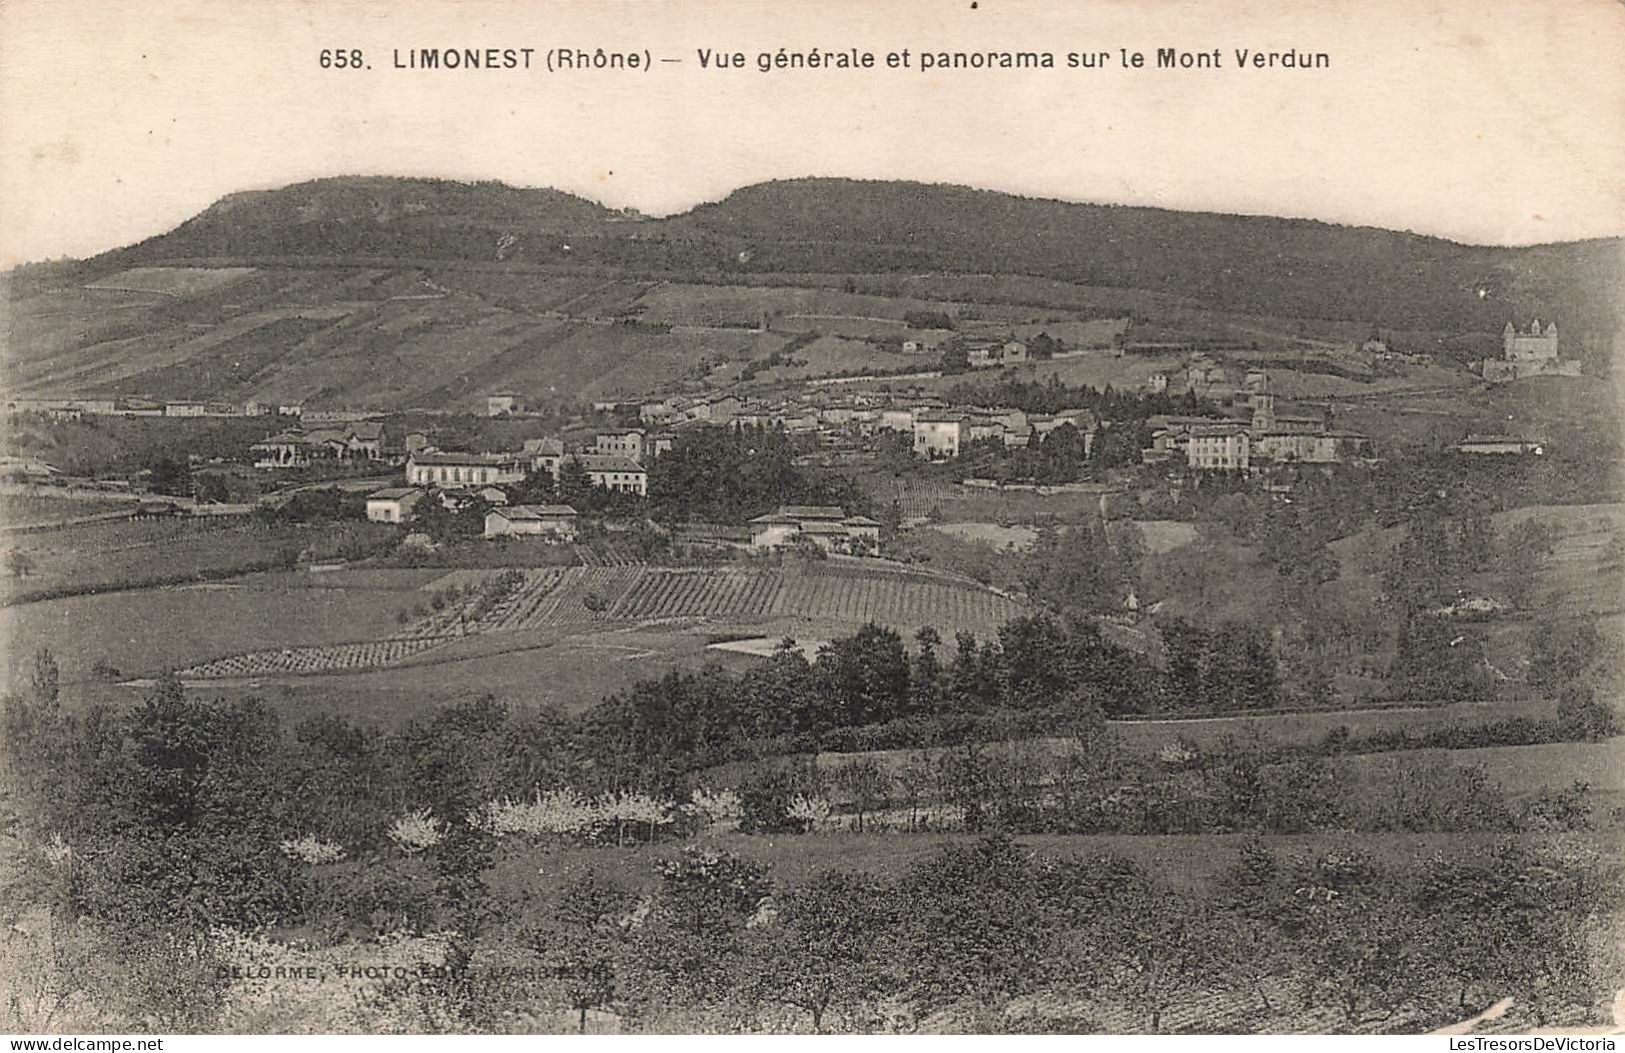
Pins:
x,y
826,526
393,505
939,436
611,472
458,470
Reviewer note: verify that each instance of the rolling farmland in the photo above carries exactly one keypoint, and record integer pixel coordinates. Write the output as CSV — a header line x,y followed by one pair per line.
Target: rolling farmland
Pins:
x,y
581,598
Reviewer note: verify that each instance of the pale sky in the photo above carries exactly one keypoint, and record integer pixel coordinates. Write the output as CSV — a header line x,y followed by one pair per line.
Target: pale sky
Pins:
x,y
1498,123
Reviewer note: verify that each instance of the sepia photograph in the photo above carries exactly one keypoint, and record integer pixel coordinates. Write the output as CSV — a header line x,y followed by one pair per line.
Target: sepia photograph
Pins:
x,y
948,517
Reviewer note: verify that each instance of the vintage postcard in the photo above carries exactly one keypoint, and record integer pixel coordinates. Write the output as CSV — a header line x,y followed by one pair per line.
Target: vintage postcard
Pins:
x,y
674,517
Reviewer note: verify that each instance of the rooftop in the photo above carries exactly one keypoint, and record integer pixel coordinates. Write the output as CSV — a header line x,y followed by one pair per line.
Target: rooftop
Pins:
x,y
607,462
484,460
813,512
535,512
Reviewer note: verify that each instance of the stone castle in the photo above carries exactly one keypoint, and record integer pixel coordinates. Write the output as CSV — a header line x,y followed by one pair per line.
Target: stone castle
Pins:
x,y
1528,354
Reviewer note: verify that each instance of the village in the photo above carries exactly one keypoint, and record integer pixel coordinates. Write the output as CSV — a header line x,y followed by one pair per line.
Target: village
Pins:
x,y
1244,428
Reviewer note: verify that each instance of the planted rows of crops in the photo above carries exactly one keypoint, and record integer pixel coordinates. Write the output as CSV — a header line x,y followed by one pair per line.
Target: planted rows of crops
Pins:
x,y
734,592
329,658
919,498
583,595
580,596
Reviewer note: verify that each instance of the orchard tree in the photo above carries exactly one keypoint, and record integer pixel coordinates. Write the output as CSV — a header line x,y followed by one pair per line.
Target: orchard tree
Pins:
x,y
829,947
971,931
1158,947
585,940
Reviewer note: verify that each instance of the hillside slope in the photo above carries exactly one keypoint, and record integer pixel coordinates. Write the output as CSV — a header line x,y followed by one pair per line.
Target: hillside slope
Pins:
x,y
382,291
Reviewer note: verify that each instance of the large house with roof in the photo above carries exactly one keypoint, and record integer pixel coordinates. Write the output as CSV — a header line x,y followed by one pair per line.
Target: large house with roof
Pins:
x,y
1219,447
826,526
299,447
939,434
611,471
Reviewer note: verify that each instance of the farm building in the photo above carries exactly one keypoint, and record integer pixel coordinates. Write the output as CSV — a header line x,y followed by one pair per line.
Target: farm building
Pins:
x,y
557,521
436,468
1495,445
826,526
393,505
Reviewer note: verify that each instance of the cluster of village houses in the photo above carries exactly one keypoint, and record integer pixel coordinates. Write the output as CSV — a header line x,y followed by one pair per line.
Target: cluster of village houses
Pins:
x,y
617,461
1257,433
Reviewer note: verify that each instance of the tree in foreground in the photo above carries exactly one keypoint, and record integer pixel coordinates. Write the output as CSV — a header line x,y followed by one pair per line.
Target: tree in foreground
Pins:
x,y
828,948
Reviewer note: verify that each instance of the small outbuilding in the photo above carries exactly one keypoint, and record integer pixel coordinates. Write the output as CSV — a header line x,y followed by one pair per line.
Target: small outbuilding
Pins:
x,y
393,505
556,521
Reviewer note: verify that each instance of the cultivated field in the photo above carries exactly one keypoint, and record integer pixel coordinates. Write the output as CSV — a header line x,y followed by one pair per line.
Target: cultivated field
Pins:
x,y
1019,538
24,510
115,552
350,622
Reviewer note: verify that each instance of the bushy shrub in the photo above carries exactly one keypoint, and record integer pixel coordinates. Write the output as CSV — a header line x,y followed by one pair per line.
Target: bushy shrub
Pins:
x,y
417,831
